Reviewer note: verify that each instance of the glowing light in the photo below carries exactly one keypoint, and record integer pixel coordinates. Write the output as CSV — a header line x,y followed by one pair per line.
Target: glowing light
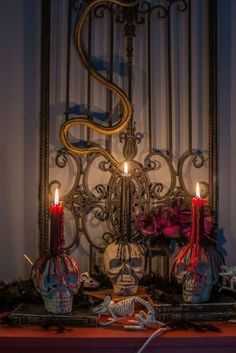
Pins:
x,y
126,169
198,195
56,198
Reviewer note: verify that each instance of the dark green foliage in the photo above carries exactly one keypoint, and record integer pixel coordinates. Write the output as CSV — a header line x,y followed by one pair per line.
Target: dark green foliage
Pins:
x,y
14,293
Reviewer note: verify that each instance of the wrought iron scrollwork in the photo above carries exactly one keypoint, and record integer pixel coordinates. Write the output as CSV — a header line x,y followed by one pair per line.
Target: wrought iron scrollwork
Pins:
x,y
102,201
198,160
130,139
147,8
181,5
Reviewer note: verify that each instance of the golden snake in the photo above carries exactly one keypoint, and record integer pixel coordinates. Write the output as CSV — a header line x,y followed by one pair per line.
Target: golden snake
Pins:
x,y
127,108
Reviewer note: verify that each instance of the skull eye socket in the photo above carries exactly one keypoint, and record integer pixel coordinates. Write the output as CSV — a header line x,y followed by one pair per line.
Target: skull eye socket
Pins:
x,y
72,278
51,280
115,263
181,273
182,269
135,262
202,270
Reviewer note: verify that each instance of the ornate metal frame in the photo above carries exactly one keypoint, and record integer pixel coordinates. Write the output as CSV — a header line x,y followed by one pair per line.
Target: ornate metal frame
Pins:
x,y
104,200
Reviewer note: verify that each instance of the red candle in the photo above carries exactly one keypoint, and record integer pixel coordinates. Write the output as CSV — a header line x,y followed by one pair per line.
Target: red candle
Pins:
x,y
56,226
198,204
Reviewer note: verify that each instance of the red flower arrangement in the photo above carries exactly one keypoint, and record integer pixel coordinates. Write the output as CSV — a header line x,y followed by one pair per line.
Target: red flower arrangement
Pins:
x,y
172,222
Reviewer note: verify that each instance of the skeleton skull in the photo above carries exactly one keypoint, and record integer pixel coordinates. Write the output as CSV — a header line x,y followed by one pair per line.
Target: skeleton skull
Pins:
x,y
56,279
124,265
87,281
197,282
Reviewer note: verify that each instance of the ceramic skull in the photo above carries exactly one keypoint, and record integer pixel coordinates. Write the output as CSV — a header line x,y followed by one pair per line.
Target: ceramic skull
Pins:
x,y
56,278
197,281
124,265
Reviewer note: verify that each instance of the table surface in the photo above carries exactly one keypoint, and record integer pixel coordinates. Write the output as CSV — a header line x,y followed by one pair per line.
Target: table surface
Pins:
x,y
103,339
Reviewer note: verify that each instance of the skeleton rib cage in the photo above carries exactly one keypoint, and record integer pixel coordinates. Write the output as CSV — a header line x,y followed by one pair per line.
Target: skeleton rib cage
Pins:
x,y
126,306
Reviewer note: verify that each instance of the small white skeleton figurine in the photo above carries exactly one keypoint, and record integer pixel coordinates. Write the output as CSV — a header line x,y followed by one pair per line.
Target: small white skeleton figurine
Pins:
x,y
228,274
87,281
123,309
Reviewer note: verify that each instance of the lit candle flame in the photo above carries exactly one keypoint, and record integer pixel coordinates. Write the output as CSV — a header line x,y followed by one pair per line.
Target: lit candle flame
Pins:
x,y
126,169
56,198
198,195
